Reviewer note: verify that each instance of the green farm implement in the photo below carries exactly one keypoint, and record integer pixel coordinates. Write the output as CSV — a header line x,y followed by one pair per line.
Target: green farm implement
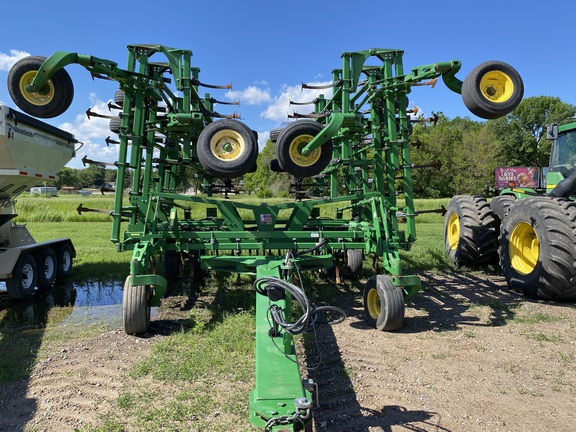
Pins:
x,y
349,157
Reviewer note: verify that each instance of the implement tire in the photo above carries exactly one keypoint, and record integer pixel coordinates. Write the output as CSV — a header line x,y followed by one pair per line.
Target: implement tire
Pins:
x,y
537,247
57,94
135,308
492,90
227,148
384,306
469,231
290,142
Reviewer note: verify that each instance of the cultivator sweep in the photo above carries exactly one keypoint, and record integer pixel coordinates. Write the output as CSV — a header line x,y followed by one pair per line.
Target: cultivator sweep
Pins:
x,y
348,158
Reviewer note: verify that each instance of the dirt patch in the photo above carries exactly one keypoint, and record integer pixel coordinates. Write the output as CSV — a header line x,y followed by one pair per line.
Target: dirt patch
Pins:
x,y
471,356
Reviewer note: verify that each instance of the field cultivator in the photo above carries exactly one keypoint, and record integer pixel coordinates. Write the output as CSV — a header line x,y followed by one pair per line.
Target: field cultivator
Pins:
x,y
349,158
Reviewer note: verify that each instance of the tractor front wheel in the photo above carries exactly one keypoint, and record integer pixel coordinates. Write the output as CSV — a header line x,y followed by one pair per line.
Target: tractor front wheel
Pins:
x,y
492,90
227,148
383,303
537,247
135,308
51,100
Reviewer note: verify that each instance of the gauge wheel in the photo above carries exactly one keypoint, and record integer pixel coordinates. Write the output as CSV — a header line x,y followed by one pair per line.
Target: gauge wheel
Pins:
x,y
469,231
24,278
354,260
135,308
47,265
51,100
492,90
227,148
290,143
383,303
537,246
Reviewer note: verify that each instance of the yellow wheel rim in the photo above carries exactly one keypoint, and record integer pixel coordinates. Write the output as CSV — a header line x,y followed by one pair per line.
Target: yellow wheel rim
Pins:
x,y
295,151
524,248
496,86
227,145
453,231
35,98
373,303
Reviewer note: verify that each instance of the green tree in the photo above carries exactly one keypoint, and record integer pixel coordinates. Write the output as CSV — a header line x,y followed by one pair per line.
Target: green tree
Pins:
x,y
466,150
264,182
68,177
523,131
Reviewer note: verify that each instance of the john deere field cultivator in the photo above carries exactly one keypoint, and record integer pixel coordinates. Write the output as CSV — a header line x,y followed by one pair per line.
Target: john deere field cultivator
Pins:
x,y
347,158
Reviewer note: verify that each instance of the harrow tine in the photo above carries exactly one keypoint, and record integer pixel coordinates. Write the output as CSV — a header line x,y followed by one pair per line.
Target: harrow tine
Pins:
x,y
90,113
195,81
321,87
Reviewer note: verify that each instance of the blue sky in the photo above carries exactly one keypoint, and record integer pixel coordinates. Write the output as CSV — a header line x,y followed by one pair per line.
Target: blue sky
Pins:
x,y
266,49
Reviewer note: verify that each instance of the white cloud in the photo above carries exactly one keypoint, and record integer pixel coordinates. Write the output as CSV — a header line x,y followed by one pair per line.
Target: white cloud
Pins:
x,y
281,108
252,95
8,60
93,133
262,138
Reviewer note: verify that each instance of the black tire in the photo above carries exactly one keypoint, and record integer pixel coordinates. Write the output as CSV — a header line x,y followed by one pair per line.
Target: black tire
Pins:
x,y
492,90
274,134
383,303
354,260
537,247
227,148
135,308
171,267
500,206
114,126
55,100
47,265
295,136
64,260
119,98
24,278
469,231
275,166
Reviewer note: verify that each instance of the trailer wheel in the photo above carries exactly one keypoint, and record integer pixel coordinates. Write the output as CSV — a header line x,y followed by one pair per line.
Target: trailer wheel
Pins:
x,y
290,143
50,101
47,268
227,148
469,231
354,260
24,277
135,308
383,303
537,247
492,90
64,261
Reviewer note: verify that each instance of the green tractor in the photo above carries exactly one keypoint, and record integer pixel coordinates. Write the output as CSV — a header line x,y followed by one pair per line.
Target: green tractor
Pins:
x,y
530,231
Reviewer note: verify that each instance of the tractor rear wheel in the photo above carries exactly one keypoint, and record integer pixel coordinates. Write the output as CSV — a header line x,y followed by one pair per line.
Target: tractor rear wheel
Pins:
x,y
383,303
227,148
469,231
50,101
135,308
290,143
537,247
492,90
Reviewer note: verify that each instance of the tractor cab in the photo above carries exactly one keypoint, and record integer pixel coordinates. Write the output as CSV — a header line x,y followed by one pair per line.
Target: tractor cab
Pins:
x,y
562,156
